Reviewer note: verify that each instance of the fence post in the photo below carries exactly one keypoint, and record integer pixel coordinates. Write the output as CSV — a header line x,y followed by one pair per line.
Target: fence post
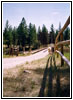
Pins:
x,y
61,38
56,48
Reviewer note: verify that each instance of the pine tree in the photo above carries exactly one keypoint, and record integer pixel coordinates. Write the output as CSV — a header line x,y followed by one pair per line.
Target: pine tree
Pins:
x,y
52,34
44,37
39,34
22,33
15,39
56,33
59,30
7,34
67,34
32,35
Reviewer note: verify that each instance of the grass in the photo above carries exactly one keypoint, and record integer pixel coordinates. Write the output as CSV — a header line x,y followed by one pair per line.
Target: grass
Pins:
x,y
26,54
67,55
10,56
18,82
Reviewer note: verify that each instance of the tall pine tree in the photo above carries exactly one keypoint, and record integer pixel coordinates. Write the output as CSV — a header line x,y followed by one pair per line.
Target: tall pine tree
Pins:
x,y
15,38
67,34
7,34
44,37
52,34
22,33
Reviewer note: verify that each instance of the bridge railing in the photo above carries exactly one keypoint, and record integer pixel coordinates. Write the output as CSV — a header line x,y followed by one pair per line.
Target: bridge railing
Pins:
x,y
61,43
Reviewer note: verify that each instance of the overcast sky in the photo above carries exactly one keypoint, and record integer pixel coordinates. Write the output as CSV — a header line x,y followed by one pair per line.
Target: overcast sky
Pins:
x,y
36,13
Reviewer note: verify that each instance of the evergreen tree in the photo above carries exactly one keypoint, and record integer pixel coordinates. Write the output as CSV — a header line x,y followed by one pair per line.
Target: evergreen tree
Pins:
x,y
44,35
15,38
59,26
67,34
32,35
22,33
10,38
52,34
59,30
39,35
56,33
39,30
7,34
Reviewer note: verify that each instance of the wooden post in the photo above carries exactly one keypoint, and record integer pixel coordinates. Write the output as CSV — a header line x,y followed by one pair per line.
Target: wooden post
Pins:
x,y
61,38
56,47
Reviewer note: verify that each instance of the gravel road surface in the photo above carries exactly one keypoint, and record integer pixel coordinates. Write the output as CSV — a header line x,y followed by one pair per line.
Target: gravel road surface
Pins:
x,y
12,62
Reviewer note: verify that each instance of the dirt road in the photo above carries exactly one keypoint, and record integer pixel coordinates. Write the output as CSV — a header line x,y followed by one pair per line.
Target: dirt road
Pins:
x,y
12,62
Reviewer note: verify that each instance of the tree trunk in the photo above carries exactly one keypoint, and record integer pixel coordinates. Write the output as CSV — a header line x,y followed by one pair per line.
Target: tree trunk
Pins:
x,y
23,49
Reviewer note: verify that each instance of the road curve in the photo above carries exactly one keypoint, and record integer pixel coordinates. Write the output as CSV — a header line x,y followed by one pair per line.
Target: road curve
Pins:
x,y
12,62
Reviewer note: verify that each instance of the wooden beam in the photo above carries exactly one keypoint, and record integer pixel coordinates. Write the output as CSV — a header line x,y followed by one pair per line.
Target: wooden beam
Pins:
x,y
63,57
63,43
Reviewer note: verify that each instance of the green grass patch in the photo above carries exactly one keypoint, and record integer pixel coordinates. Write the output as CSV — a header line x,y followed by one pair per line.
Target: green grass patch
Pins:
x,y
8,56
67,55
